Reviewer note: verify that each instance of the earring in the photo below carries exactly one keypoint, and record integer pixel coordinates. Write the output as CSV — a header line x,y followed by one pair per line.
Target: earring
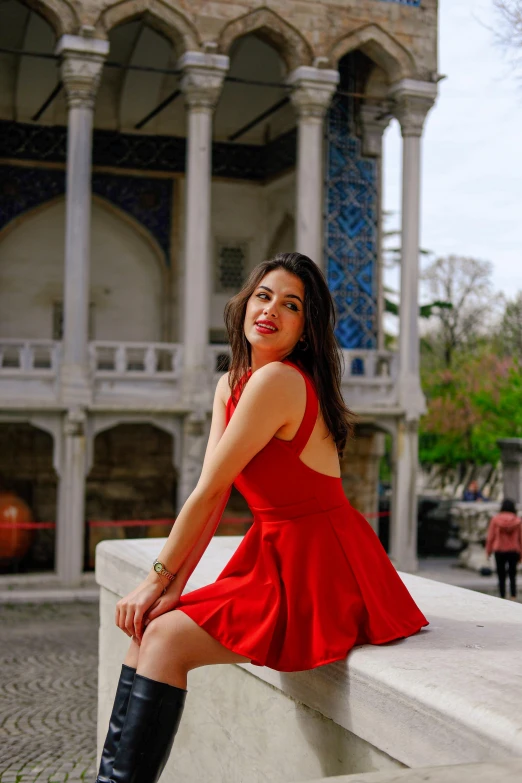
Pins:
x,y
303,345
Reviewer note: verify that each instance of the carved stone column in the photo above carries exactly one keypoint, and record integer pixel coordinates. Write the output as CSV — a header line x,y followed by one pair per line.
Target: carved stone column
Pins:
x,y
81,66
311,95
201,82
412,102
511,450
70,535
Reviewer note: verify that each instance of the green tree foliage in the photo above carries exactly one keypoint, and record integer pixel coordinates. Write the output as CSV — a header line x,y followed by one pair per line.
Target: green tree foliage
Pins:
x,y
470,406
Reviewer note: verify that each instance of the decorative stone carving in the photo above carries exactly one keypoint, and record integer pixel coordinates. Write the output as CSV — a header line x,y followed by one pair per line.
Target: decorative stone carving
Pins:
x,y
202,78
312,90
75,421
286,39
412,101
375,118
81,65
171,22
379,46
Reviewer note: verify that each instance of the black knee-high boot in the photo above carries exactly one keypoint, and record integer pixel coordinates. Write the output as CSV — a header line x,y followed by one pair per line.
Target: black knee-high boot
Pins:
x,y
151,723
119,710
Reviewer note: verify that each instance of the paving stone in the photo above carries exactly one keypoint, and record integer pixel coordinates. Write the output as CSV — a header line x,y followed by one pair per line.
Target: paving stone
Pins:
x,y
48,692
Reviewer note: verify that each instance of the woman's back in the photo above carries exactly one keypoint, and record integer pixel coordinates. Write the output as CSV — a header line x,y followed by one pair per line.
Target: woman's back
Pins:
x,y
278,475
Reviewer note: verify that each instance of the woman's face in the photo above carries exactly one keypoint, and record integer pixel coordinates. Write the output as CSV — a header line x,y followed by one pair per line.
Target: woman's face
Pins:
x,y
278,301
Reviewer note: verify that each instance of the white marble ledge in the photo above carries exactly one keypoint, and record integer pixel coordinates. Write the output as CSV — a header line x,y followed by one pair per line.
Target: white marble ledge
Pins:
x,y
448,695
500,772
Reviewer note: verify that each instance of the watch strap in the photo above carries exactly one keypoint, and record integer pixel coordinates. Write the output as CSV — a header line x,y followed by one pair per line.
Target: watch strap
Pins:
x,y
161,570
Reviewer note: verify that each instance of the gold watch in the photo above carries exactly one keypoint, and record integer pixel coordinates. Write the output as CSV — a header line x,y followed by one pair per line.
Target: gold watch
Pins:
x,y
160,570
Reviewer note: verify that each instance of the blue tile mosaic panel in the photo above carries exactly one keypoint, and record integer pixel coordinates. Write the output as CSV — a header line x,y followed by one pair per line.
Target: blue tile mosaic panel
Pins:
x,y
30,142
404,2
147,200
351,228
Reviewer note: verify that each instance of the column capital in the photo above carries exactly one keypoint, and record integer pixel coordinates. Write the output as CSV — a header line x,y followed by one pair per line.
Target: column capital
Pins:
x,y
82,61
412,101
312,90
375,118
202,78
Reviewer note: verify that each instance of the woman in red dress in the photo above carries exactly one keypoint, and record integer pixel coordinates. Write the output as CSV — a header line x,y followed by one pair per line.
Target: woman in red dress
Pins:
x,y
310,579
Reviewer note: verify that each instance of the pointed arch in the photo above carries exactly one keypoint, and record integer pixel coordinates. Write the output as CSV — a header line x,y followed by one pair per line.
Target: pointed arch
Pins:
x,y
173,24
286,39
60,14
379,46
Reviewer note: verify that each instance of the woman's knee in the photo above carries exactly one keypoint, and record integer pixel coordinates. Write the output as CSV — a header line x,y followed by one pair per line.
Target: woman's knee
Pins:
x,y
165,629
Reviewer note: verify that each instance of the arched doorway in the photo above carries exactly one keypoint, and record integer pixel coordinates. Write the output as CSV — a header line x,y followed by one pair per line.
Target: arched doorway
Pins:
x,y
27,471
132,479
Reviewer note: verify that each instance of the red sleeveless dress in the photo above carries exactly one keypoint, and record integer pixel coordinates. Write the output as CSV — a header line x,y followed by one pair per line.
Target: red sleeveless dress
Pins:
x,y
310,579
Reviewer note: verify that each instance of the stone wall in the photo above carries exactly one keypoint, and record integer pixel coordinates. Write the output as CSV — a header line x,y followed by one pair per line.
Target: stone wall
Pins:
x,y
302,31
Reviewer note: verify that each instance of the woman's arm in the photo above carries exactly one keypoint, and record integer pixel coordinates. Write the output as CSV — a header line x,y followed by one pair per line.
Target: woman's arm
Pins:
x,y
169,601
217,428
266,404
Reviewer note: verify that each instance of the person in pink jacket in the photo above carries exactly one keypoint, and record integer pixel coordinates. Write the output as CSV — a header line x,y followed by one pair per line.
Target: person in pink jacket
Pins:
x,y
504,538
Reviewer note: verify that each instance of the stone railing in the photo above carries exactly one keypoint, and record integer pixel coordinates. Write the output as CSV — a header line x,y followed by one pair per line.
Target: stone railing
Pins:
x,y
448,695
370,378
29,358
125,360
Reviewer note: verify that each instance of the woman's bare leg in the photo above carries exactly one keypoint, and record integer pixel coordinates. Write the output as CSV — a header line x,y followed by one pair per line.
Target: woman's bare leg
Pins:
x,y
131,659
173,644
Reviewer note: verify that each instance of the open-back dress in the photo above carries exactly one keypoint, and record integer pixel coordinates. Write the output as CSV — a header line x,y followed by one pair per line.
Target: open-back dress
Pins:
x,y
310,579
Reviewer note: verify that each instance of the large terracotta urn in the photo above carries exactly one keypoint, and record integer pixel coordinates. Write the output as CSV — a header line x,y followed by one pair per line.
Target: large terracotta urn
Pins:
x,y
14,540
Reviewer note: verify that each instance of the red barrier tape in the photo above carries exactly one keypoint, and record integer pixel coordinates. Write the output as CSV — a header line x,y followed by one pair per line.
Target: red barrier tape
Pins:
x,y
138,522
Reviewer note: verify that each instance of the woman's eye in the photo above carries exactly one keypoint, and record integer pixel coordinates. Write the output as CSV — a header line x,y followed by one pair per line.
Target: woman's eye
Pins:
x,y
292,305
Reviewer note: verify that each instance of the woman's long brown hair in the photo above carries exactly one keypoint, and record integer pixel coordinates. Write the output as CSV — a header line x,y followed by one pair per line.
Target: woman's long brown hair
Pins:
x,y
323,361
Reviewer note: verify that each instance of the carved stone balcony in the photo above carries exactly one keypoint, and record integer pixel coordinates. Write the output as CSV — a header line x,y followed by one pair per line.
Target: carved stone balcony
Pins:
x,y
149,376
370,379
124,373
29,370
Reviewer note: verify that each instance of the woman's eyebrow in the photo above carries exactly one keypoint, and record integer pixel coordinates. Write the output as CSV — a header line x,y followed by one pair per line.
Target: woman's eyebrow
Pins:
x,y
288,296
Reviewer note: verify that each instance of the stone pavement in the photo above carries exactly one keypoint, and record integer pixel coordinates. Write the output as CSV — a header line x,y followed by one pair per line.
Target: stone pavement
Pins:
x,y
48,692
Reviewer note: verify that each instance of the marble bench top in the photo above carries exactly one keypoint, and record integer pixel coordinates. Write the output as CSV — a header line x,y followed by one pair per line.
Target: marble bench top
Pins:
x,y
454,689
509,771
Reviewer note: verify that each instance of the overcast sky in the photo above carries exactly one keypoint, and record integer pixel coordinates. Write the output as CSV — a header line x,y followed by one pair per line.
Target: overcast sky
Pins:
x,y
472,149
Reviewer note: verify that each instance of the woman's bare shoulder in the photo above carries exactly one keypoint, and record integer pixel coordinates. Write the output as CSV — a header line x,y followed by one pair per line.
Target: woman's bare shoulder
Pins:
x,y
223,388
280,380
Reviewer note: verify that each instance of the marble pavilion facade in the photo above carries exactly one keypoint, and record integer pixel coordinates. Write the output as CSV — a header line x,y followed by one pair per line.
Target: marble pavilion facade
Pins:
x,y
151,153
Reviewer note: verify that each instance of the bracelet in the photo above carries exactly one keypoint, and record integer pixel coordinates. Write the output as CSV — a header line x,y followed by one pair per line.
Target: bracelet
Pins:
x,y
160,570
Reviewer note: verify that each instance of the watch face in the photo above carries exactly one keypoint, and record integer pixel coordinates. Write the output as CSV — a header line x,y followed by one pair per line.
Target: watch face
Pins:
x,y
158,567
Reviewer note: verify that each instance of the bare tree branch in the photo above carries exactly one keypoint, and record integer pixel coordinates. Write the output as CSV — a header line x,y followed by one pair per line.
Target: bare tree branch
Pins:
x,y
466,284
509,32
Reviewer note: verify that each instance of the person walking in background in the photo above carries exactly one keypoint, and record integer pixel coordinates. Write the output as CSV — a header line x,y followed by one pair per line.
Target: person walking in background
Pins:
x,y
504,538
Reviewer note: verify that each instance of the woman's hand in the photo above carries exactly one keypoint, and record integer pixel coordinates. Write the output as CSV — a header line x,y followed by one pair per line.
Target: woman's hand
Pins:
x,y
131,609
165,603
